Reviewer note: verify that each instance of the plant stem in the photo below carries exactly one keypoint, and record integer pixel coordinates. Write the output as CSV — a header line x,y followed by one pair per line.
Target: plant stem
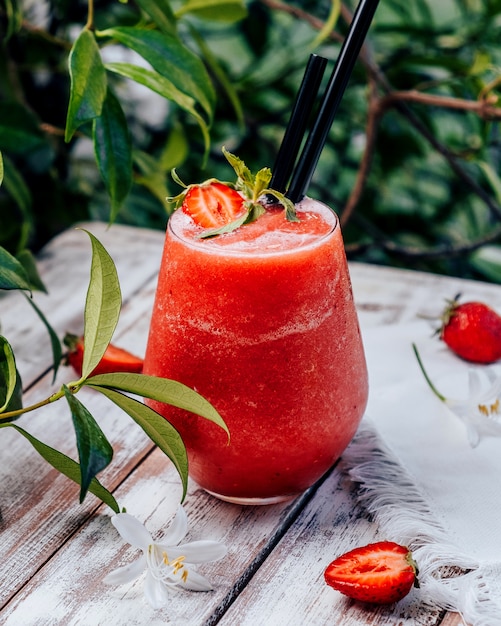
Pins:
x,y
90,16
427,378
55,396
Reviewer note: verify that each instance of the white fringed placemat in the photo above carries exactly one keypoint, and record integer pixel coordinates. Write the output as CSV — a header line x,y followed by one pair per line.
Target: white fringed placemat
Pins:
x,y
420,477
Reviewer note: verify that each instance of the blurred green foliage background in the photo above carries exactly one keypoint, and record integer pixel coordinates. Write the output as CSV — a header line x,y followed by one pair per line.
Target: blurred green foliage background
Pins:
x,y
411,163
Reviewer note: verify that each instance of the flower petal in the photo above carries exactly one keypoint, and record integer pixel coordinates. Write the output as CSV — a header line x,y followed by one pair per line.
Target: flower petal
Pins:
x,y
132,530
195,582
155,591
474,385
197,551
178,528
126,574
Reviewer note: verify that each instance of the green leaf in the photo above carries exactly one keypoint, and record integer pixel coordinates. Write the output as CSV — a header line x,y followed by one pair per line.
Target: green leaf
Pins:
x,y
487,261
161,13
19,191
160,389
27,260
14,18
161,85
94,450
227,228
171,59
221,76
66,466
158,429
57,351
8,378
1,169
152,175
12,273
19,129
492,178
88,83
102,306
113,151
220,10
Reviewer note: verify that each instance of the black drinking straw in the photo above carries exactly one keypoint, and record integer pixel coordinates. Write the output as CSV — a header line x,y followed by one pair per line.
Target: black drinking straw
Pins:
x,y
308,159
303,105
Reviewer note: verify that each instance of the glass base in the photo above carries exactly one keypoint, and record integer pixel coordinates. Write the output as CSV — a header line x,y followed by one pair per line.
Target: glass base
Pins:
x,y
252,501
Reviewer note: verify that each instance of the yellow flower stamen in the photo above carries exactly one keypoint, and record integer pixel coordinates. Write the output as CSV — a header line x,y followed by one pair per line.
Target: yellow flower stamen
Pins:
x,y
491,409
177,564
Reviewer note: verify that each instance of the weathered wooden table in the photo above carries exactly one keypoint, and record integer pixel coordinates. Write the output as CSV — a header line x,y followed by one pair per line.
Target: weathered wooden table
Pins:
x,y
55,552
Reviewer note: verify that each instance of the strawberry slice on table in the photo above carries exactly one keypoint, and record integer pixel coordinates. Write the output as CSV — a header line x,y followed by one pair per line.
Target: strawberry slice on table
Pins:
x,y
379,573
213,204
114,360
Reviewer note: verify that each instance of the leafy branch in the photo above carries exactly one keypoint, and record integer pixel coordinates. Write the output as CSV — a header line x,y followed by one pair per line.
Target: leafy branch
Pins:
x,y
95,453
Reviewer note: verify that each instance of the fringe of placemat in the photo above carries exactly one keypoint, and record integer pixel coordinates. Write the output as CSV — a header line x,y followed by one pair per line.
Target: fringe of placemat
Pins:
x,y
388,493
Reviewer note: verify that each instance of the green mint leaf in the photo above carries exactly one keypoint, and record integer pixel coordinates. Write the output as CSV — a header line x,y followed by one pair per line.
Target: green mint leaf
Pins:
x,y
227,228
245,180
290,209
256,210
10,381
158,429
261,182
161,389
88,83
94,450
102,306
66,466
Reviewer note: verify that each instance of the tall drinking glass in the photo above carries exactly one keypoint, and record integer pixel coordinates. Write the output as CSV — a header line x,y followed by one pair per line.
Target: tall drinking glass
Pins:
x,y
262,323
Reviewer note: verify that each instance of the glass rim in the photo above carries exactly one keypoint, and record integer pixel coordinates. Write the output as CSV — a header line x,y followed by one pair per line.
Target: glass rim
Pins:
x,y
227,250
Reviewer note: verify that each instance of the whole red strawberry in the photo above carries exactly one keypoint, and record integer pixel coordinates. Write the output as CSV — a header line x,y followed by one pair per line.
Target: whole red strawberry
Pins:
x,y
379,573
472,330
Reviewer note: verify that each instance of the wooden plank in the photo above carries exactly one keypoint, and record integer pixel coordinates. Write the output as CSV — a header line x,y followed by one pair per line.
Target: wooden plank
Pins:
x,y
386,295
68,588
64,265
289,588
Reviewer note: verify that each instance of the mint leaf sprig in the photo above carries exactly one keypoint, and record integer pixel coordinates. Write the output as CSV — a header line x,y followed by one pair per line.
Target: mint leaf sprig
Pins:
x,y
253,188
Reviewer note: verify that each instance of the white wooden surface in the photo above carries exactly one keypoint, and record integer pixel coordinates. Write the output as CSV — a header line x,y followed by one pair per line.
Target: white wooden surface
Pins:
x,y
55,552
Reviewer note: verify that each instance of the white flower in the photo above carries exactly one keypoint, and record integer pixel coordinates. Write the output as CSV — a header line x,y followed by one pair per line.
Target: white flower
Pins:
x,y
481,411
167,564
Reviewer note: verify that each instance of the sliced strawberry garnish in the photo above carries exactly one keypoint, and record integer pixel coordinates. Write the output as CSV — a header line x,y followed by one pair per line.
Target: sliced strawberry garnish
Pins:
x,y
381,573
213,204
115,359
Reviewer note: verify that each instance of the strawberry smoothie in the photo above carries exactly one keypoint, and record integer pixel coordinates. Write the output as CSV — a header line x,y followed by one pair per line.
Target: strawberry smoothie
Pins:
x,y
261,322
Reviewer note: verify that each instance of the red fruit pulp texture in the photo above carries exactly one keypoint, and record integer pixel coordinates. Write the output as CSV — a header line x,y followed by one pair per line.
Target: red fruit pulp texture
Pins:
x,y
380,573
262,324
473,331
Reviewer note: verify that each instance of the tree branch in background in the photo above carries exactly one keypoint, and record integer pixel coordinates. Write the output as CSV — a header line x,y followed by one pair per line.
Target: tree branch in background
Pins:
x,y
378,105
